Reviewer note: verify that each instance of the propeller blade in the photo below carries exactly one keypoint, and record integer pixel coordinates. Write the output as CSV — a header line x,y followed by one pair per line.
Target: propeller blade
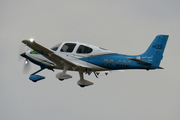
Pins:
x,y
27,67
22,49
22,54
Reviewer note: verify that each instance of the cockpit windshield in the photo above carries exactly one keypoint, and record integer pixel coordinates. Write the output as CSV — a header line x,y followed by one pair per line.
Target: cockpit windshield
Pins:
x,y
68,47
54,48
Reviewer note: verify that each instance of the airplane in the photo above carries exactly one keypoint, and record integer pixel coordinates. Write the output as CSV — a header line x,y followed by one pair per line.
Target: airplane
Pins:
x,y
86,58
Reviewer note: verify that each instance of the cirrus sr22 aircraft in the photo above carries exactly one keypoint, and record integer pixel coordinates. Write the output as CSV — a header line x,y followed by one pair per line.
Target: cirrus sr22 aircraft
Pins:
x,y
85,58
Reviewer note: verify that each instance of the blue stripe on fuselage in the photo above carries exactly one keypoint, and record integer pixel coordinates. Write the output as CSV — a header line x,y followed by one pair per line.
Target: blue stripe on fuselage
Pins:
x,y
114,62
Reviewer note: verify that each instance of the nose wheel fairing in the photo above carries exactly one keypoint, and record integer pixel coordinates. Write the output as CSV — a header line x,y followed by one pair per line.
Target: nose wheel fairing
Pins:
x,y
33,77
36,78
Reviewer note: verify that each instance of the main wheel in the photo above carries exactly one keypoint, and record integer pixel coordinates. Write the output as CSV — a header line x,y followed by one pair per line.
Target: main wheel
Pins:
x,y
82,86
61,79
34,80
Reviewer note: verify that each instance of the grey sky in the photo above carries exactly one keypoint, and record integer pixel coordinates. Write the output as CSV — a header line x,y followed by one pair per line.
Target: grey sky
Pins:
x,y
122,26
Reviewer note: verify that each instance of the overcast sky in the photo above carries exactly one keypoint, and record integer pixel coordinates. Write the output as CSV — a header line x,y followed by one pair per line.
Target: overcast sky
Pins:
x,y
126,27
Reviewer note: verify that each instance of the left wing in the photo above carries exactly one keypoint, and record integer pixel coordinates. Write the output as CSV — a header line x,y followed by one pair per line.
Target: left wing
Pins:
x,y
49,54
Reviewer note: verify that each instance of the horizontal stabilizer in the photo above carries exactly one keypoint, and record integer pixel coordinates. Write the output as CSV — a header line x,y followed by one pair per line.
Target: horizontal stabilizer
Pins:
x,y
140,61
160,68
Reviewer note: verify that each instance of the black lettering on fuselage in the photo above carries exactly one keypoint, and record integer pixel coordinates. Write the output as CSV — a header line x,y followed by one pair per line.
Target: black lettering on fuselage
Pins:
x,y
128,63
123,63
105,61
110,62
120,63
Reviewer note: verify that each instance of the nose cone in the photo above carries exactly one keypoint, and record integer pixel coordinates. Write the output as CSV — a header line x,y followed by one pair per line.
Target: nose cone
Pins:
x,y
23,55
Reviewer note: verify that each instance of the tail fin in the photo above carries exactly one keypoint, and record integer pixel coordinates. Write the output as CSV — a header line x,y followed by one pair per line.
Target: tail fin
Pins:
x,y
154,53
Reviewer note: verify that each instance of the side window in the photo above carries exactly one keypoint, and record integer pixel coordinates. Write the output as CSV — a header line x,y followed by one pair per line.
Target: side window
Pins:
x,y
68,47
84,49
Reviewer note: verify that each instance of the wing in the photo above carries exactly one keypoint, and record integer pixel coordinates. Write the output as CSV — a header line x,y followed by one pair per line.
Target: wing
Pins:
x,y
52,56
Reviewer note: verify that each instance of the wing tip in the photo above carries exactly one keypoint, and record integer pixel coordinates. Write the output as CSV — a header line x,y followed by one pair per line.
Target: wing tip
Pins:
x,y
28,41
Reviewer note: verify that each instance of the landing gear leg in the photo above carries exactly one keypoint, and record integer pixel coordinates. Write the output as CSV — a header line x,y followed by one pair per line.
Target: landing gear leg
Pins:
x,y
82,82
38,71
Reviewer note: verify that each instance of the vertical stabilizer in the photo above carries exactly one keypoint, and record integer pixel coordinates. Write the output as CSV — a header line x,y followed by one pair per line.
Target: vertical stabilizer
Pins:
x,y
156,50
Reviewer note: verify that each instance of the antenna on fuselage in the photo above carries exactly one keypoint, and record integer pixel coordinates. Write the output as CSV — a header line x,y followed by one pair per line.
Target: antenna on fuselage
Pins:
x,y
92,39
